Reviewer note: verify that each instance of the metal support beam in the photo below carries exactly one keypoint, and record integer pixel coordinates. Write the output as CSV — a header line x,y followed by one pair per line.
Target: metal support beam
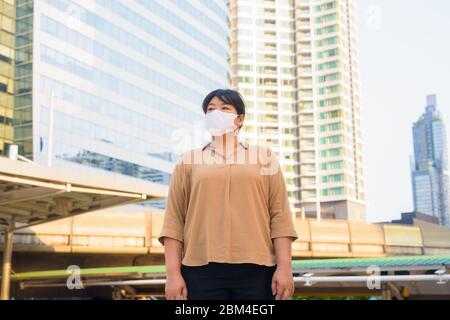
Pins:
x,y
395,291
309,279
7,255
386,292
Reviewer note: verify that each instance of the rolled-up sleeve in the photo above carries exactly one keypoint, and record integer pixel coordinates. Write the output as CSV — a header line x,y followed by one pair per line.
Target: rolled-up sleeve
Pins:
x,y
281,220
174,217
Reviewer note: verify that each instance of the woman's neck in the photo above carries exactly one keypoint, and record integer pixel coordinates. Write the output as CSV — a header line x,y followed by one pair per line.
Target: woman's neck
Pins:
x,y
225,143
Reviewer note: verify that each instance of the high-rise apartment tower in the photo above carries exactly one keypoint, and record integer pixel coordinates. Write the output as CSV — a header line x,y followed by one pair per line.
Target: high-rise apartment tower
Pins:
x,y
296,63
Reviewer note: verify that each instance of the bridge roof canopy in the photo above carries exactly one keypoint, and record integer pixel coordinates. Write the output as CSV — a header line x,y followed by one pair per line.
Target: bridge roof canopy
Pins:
x,y
33,193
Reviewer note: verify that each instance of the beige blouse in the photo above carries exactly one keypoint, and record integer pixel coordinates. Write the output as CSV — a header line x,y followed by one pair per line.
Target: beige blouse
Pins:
x,y
228,209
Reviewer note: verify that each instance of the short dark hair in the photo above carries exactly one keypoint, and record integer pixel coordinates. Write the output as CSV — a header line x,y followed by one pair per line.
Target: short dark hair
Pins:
x,y
229,96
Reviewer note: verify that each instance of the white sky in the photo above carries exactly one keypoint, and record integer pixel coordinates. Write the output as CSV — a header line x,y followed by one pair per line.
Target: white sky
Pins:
x,y
404,56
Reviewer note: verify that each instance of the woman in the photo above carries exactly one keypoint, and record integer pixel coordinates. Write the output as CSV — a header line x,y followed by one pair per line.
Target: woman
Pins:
x,y
227,228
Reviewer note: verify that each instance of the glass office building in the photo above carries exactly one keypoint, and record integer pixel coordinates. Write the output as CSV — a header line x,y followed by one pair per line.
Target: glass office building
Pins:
x,y
114,82
430,179
7,31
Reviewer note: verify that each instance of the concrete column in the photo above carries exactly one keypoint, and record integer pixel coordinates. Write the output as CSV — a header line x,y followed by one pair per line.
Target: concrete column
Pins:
x,y
7,255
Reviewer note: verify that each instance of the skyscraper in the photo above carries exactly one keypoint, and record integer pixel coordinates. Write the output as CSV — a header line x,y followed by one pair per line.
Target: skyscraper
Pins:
x,y
110,81
429,172
296,62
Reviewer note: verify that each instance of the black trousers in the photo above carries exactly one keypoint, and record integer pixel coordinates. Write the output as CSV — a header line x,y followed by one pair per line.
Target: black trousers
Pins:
x,y
228,281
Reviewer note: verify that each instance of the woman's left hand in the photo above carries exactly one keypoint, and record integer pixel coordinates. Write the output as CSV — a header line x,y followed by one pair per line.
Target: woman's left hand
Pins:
x,y
283,283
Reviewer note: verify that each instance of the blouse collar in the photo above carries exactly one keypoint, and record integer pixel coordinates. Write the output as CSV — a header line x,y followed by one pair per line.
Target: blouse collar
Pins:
x,y
210,146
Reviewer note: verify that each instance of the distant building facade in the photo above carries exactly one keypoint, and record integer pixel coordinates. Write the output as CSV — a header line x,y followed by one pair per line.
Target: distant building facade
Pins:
x,y
411,217
429,167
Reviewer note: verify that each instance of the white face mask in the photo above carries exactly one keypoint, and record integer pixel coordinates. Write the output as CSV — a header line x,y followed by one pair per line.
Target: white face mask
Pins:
x,y
219,122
